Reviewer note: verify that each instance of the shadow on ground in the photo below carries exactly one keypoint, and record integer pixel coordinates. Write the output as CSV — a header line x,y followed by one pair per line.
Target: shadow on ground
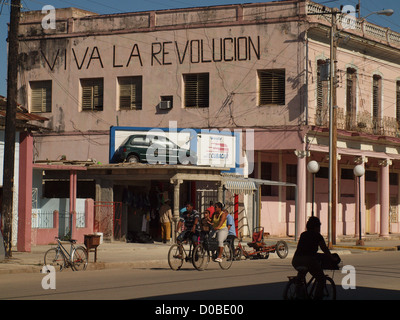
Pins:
x,y
274,291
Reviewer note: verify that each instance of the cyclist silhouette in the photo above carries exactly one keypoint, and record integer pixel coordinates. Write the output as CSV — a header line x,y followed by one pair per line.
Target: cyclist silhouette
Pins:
x,y
306,253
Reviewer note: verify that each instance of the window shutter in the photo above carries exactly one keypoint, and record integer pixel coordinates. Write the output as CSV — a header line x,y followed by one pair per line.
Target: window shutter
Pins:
x,y
41,96
375,94
124,96
87,101
271,87
376,104
92,94
197,90
130,93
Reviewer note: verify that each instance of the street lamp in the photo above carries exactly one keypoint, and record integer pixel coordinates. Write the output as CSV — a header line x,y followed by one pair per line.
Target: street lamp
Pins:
x,y
385,12
313,167
359,171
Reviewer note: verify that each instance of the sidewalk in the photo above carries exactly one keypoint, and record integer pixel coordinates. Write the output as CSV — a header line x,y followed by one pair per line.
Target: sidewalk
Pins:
x,y
154,255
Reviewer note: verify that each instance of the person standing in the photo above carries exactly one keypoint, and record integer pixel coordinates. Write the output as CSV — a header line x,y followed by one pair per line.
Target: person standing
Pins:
x,y
230,223
220,228
165,220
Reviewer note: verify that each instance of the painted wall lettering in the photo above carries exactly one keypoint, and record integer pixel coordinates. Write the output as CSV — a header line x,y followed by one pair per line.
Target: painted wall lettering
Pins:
x,y
194,51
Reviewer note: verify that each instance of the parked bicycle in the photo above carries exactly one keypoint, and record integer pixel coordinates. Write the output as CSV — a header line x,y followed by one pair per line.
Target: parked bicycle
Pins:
x,y
177,254
299,289
208,250
59,257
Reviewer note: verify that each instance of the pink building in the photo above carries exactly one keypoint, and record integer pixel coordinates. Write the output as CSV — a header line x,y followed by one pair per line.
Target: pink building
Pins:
x,y
252,66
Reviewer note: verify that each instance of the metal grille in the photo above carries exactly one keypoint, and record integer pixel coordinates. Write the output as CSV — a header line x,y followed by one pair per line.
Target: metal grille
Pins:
x,y
107,218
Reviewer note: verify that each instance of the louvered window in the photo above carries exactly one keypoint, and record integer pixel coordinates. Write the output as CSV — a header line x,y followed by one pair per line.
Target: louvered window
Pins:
x,y
92,94
40,96
351,80
321,116
376,103
130,93
197,90
271,87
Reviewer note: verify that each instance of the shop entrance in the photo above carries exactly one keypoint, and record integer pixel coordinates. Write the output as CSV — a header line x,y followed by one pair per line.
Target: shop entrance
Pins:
x,y
140,204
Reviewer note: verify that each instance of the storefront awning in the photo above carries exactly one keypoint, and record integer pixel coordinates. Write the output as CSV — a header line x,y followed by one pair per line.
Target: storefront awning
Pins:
x,y
240,186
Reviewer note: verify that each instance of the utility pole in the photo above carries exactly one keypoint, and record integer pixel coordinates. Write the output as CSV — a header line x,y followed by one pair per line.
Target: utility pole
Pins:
x,y
332,137
332,185
9,139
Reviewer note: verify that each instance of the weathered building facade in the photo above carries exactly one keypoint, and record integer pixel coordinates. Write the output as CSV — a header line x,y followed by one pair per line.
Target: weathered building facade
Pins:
x,y
251,66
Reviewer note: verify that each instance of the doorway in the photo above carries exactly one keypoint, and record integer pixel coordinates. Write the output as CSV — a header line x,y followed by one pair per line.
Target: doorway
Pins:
x,y
370,215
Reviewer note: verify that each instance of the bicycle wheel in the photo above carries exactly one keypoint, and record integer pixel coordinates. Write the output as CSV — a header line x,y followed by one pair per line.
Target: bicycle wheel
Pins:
x,y
329,292
237,255
282,249
290,292
175,256
200,257
79,259
53,257
227,257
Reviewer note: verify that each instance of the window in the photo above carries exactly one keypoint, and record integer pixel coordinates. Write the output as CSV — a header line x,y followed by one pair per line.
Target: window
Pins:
x,y
266,174
371,176
130,93
196,90
92,94
347,174
376,103
41,96
291,177
321,117
393,178
323,173
267,171
271,87
351,98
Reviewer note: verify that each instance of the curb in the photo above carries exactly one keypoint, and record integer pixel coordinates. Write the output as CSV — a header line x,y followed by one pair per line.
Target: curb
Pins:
x,y
18,269
394,248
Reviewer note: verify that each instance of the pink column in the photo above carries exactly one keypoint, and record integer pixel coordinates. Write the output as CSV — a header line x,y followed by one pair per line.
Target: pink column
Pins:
x,y
72,191
385,206
301,190
25,192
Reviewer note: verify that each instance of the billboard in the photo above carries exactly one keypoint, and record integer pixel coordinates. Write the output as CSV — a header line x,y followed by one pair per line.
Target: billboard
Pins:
x,y
174,145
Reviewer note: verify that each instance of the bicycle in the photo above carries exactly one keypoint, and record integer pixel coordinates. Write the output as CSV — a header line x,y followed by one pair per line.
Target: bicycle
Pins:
x,y
207,250
177,254
261,252
299,289
76,258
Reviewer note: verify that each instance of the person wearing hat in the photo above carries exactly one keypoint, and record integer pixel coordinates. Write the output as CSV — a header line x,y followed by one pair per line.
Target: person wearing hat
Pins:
x,y
165,221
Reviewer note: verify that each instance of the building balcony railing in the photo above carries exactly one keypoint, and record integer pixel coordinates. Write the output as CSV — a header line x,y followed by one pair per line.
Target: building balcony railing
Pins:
x,y
357,26
360,122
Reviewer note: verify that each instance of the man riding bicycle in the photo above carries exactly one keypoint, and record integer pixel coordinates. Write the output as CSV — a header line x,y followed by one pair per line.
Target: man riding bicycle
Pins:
x,y
306,254
190,219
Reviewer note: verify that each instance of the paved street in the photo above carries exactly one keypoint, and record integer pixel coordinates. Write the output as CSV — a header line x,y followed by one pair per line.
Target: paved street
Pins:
x,y
377,277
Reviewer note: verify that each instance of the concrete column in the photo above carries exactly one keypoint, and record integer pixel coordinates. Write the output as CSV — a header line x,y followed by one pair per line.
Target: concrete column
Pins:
x,y
385,201
175,218
72,191
301,191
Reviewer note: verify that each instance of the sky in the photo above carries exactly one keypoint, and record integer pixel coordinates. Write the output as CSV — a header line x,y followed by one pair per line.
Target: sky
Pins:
x,y
108,7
